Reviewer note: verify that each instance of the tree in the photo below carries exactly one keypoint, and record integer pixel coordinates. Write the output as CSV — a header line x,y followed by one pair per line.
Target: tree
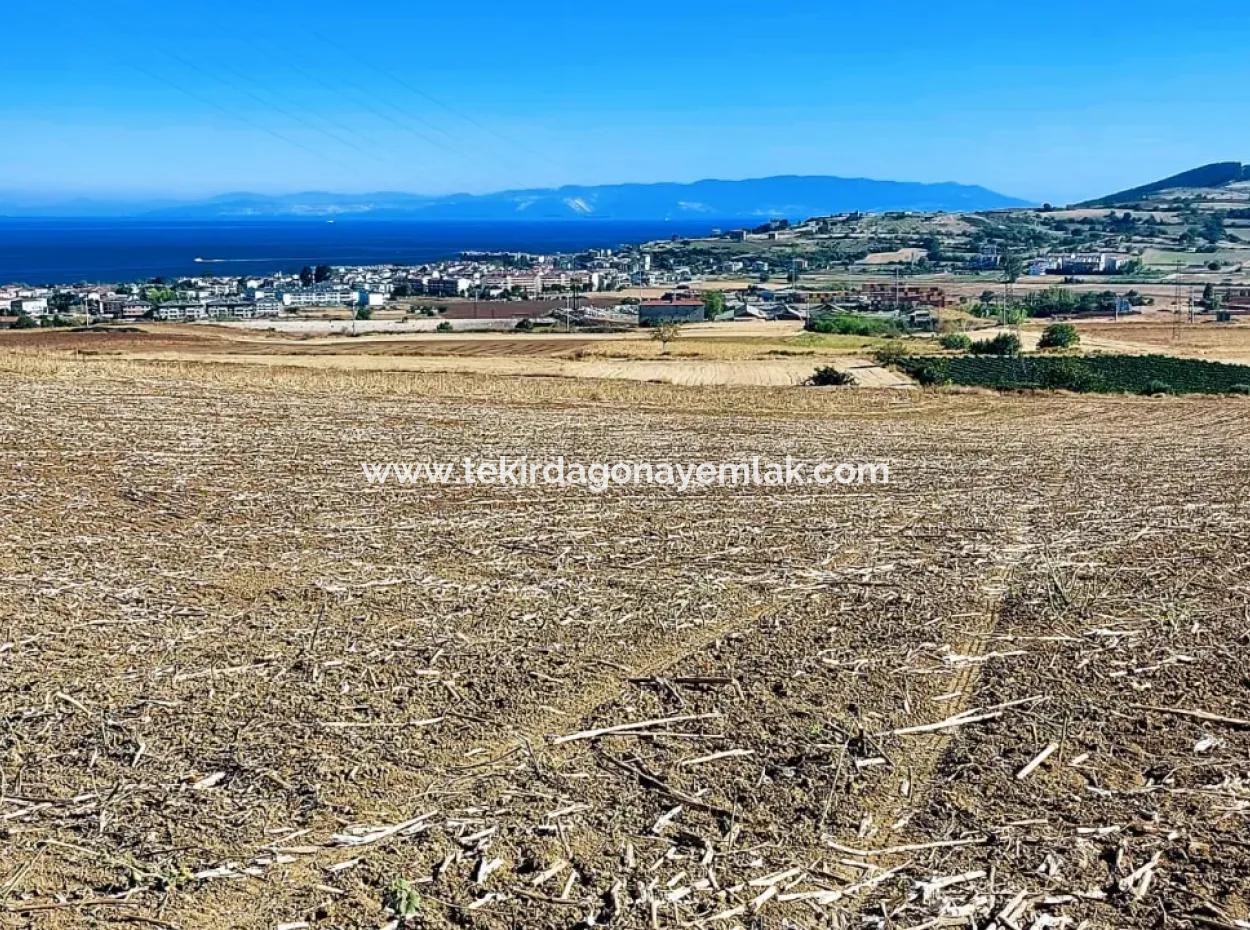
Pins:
x,y
322,273
1013,267
364,313
958,341
713,303
24,321
892,354
1007,344
1212,228
158,295
665,332
1059,336
307,276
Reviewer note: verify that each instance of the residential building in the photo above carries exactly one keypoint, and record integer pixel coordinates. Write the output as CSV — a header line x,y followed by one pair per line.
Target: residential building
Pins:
x,y
181,311
121,307
34,307
318,295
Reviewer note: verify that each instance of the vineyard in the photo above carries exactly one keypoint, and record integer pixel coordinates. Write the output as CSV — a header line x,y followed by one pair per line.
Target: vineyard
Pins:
x,y
1126,374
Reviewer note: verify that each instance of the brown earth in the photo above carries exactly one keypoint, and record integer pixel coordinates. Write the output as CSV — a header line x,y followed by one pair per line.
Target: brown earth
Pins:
x,y
244,688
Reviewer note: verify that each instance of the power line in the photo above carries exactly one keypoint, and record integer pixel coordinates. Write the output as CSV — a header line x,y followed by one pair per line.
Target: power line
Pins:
x,y
299,118
206,101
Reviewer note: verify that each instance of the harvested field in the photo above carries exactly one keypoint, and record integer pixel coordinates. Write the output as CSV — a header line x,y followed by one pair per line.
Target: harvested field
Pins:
x,y
240,688
771,354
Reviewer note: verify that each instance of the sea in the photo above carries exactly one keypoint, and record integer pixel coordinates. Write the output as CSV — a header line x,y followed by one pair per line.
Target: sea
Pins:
x,y
67,251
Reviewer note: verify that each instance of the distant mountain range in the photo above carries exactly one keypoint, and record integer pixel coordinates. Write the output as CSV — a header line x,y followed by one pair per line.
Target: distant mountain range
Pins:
x,y
789,197
1218,174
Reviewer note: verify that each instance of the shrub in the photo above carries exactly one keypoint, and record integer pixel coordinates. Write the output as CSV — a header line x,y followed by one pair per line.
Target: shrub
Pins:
x,y
891,354
24,321
849,324
1007,344
1240,389
828,376
443,327
961,342
525,325
1059,336
1155,386
364,313
931,374
1068,374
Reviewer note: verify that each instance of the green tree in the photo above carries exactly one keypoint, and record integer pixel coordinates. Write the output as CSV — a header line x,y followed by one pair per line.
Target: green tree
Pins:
x,y
1059,336
957,341
307,276
1007,344
322,273
1212,228
713,303
158,295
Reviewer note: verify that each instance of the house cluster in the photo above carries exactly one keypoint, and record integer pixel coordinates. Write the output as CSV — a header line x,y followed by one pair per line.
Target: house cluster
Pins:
x,y
915,305
15,302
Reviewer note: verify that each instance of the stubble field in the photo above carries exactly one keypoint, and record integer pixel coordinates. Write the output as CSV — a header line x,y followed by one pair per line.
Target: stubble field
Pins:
x,y
241,688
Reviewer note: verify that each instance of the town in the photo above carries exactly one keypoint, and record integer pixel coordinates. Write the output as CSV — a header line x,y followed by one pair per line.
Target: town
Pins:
x,y
905,266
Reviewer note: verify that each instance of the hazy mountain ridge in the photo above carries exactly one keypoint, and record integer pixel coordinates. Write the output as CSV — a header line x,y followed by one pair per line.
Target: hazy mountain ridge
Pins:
x,y
789,196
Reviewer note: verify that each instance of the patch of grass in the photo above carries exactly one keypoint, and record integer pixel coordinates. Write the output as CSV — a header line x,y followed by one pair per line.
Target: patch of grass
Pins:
x,y
836,343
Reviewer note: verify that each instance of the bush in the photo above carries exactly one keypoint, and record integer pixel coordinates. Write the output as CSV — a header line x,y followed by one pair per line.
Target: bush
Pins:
x,y
1155,387
1240,389
1069,374
525,325
443,327
961,342
828,376
1007,344
849,324
1059,336
24,321
931,374
364,313
891,354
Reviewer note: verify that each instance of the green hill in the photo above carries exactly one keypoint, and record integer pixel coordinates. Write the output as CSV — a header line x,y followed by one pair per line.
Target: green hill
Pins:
x,y
1218,174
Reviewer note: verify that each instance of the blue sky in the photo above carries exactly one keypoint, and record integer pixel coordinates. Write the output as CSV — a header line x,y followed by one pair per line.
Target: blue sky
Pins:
x,y
1046,101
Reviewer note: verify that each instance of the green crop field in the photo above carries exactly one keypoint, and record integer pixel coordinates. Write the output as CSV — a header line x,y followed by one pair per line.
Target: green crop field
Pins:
x,y
1132,374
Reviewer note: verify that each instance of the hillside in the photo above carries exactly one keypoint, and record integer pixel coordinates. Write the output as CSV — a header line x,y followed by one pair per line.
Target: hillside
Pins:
x,y
1218,174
